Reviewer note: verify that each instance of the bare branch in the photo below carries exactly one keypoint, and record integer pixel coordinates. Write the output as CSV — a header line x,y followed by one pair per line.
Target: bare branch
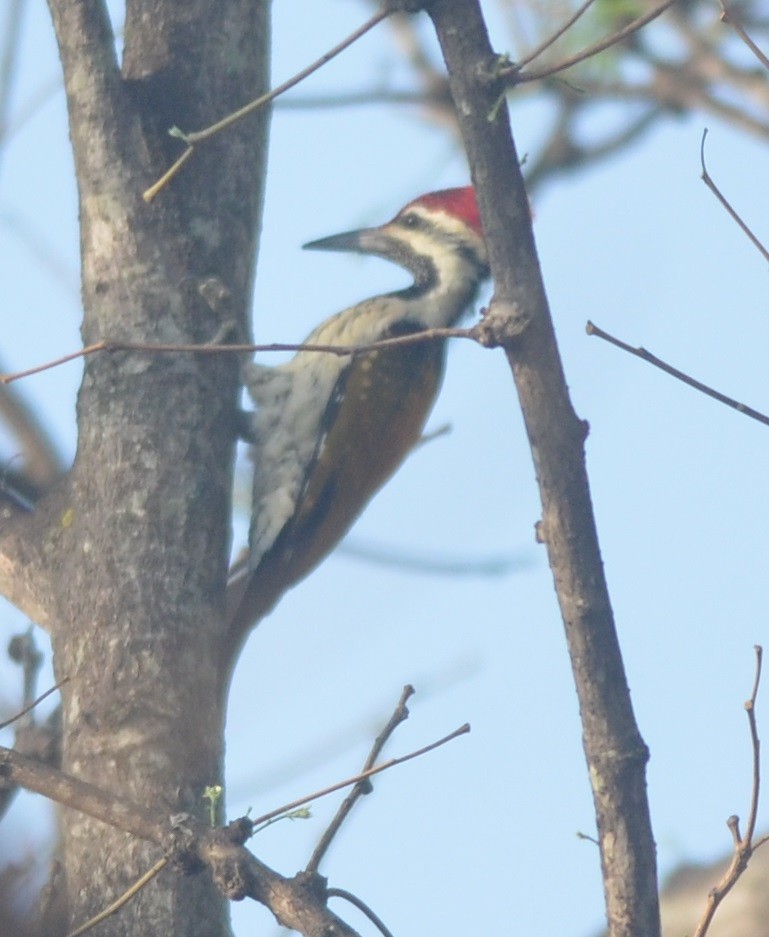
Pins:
x,y
124,815
520,318
728,17
79,795
123,900
29,739
30,706
744,847
554,37
54,363
299,903
707,179
433,564
210,348
357,778
645,355
360,99
195,139
592,50
399,715
362,907
750,709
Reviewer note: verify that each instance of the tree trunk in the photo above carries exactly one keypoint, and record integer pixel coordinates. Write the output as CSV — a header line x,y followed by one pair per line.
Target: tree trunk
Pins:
x,y
133,548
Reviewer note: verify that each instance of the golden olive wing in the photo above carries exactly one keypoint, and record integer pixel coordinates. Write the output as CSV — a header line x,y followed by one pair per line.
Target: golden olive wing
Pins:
x,y
374,418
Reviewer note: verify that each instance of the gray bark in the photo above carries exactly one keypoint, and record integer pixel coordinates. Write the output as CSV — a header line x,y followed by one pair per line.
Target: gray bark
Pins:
x,y
126,562
519,320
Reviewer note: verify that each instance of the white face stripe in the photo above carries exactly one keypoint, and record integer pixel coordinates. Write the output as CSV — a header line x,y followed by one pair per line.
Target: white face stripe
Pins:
x,y
454,252
443,222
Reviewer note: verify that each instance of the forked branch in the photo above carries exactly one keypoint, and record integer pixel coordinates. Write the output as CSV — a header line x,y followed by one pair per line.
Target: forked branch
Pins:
x,y
744,846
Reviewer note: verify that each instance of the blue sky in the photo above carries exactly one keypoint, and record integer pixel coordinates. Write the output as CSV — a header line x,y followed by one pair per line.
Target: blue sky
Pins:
x,y
487,825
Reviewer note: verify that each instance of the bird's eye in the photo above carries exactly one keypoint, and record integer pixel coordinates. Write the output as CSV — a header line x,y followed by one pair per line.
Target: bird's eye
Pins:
x,y
411,220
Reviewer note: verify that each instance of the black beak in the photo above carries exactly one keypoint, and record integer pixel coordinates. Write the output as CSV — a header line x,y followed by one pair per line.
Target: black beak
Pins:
x,y
363,241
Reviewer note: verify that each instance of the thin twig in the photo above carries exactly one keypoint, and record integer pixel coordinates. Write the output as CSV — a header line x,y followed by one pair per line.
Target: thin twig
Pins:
x,y
122,814
432,564
149,194
195,139
761,841
236,871
355,779
31,706
202,135
209,348
554,37
728,17
400,714
22,650
54,363
317,102
750,709
588,53
122,900
744,847
362,907
645,355
443,430
706,178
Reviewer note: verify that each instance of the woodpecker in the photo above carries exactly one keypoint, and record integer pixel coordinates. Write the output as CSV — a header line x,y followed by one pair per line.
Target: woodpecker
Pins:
x,y
329,430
